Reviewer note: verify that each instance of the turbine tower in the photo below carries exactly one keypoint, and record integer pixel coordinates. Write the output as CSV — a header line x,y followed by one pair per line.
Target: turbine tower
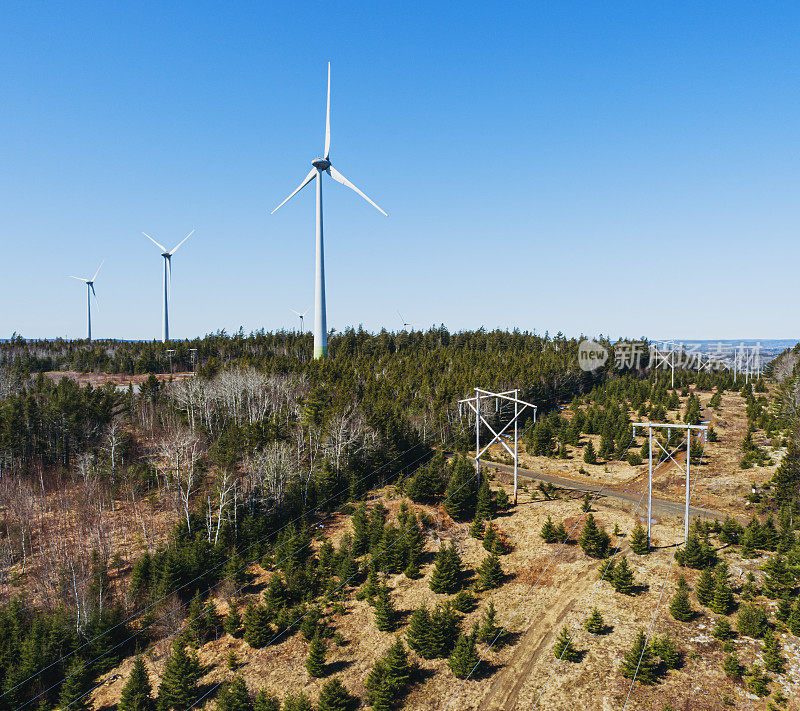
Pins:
x,y
323,165
167,254
89,292
301,316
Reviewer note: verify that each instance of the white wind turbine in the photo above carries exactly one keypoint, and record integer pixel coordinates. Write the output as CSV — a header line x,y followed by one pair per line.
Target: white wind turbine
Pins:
x,y
167,254
323,165
89,293
301,316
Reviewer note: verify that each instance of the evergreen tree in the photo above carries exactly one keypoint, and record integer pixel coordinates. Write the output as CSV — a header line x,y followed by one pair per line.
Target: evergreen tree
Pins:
x,y
334,697
704,590
595,622
564,648
751,621
777,577
483,507
233,620
732,667
446,576
74,686
771,649
463,602
179,679
640,656
784,611
664,648
680,607
266,702
723,601
722,629
443,631
462,490
235,696
315,661
419,630
622,578
384,610
396,665
589,455
464,656
477,528
297,702
639,539
594,540
488,630
136,694
794,619
549,531
491,541
757,682
490,574
257,630
586,504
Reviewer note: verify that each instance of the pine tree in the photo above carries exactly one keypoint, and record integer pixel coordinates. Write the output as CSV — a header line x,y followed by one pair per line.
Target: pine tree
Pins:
x,y
589,455
490,574
396,665
722,629
443,631
771,649
794,619
586,505
639,539
74,686
784,611
564,649
594,540
464,656
266,702
704,590
549,531
664,648
233,620
462,490
732,667
680,607
490,537
751,621
595,622
419,629
483,507
297,702
622,578
446,576
477,527
257,630
235,696
463,601
334,697
723,601
385,615
136,694
179,679
488,630
640,656
315,661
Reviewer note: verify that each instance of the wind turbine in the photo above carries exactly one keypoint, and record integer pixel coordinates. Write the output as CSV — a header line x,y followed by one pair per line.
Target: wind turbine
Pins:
x,y
89,292
323,165
403,321
301,316
167,254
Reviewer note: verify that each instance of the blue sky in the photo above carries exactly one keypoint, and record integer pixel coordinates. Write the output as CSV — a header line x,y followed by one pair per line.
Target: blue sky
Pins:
x,y
622,168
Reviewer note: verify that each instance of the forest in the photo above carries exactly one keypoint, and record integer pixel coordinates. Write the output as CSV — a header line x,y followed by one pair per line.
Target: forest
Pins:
x,y
127,511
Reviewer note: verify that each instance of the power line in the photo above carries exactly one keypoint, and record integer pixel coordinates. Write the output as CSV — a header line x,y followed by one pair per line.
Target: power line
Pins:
x,y
140,612
530,590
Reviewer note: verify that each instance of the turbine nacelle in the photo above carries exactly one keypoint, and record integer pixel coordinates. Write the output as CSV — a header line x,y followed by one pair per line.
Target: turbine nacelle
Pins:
x,y
321,163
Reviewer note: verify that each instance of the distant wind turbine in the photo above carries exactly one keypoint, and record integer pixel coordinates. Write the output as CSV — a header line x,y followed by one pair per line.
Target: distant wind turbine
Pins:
x,y
403,321
323,165
167,254
89,293
301,317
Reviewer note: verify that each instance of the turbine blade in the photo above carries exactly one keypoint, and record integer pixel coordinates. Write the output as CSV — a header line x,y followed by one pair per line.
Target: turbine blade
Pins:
x,y
85,281
160,246
175,249
339,178
328,118
305,182
98,270
94,293
296,313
